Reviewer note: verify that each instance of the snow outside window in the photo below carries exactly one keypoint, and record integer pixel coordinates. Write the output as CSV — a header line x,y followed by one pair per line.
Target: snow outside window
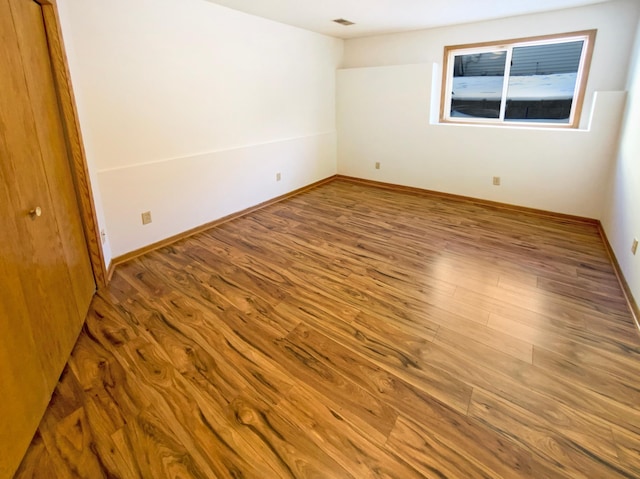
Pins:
x,y
534,80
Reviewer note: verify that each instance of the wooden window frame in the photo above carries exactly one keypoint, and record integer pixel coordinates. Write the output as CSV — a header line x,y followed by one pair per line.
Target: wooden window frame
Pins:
x,y
589,36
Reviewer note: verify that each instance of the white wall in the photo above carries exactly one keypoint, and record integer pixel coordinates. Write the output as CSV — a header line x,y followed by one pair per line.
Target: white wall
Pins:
x,y
189,110
621,219
388,93
86,133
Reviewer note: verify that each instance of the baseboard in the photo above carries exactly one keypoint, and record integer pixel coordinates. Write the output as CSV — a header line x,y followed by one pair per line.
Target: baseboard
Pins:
x,y
633,306
212,224
110,269
468,199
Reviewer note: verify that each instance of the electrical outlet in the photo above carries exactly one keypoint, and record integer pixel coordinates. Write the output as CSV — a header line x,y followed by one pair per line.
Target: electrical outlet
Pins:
x,y
496,181
377,165
634,245
278,176
146,217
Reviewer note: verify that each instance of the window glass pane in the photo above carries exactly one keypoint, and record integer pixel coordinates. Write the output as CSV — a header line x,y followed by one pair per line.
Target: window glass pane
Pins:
x,y
542,82
477,85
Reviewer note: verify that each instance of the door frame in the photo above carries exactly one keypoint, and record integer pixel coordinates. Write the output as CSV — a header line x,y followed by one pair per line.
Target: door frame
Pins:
x,y
73,135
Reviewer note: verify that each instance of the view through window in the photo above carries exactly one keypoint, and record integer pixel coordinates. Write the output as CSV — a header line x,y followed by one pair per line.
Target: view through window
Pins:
x,y
534,80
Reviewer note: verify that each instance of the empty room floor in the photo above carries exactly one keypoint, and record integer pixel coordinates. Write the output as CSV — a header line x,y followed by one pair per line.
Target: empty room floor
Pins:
x,y
354,331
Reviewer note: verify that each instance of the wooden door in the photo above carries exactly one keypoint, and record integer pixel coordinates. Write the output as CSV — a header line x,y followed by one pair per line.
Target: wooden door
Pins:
x,y
22,382
46,277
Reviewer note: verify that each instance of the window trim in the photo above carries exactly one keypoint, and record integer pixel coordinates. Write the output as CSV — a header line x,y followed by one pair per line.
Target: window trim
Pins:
x,y
582,77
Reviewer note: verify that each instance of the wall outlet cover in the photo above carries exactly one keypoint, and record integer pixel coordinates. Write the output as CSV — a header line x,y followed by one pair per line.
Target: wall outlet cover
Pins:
x,y
146,217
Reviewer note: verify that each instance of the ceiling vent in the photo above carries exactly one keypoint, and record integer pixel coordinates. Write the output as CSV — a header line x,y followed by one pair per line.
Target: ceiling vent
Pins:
x,y
344,22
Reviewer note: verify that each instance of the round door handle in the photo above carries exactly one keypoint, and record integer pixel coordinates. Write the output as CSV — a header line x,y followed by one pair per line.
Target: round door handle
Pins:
x,y
37,211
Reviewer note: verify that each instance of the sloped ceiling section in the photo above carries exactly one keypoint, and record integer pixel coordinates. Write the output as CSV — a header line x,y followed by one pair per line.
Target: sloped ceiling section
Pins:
x,y
373,17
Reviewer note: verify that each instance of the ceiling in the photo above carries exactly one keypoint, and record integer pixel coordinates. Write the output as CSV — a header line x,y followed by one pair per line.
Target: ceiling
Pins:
x,y
373,17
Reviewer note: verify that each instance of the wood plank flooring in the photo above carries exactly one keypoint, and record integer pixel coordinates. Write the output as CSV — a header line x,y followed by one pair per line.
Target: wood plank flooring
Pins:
x,y
355,332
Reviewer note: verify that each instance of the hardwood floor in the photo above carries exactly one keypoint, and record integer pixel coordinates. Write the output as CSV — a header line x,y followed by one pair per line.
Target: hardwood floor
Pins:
x,y
355,332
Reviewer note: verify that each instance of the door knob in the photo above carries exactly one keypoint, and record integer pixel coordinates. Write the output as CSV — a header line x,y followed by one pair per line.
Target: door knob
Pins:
x,y
37,211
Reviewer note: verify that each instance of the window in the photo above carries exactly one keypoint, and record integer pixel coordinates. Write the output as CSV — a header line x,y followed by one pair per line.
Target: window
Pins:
x,y
534,80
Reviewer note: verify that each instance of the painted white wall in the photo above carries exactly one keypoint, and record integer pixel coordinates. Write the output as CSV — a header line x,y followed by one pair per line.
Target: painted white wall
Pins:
x,y
190,109
383,116
86,133
621,218
387,103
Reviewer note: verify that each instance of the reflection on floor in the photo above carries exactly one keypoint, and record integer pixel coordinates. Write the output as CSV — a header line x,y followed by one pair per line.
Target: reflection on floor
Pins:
x,y
353,331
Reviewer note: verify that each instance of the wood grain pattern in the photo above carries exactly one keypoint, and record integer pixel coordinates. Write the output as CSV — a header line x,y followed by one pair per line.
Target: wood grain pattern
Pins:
x,y
355,331
49,132
199,229
45,274
633,304
73,136
23,384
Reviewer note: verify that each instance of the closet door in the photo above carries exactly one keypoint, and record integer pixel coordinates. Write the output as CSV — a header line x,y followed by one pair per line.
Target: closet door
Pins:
x,y
61,278
24,391
46,276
